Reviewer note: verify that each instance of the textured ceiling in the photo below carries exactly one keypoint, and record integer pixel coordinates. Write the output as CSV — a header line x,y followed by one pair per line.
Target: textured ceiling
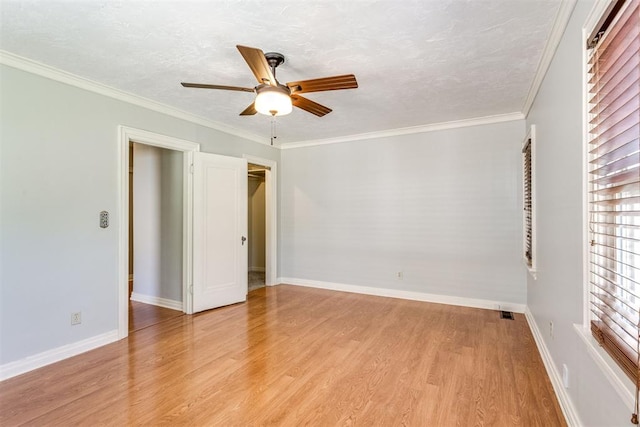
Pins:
x,y
417,62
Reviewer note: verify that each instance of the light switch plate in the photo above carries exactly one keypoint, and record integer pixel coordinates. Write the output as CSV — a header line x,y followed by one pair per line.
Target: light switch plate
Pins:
x,y
104,219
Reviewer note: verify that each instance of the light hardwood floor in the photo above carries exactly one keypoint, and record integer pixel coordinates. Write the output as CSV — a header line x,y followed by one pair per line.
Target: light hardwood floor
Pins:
x,y
295,356
144,315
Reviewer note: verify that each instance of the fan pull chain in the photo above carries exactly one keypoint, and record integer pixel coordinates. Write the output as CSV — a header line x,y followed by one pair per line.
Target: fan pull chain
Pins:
x,y
273,129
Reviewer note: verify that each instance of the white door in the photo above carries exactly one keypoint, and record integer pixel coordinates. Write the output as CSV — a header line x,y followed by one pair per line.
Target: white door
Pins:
x,y
219,230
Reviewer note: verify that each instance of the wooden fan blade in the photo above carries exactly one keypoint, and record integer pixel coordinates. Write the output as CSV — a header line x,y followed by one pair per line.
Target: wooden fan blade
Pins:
x,y
347,81
310,106
203,86
249,111
258,64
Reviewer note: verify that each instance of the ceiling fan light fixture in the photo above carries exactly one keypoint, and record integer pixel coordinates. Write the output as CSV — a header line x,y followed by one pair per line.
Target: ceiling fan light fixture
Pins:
x,y
273,100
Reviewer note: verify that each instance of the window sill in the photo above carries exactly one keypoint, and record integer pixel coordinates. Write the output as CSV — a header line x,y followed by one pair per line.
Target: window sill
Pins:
x,y
532,270
611,371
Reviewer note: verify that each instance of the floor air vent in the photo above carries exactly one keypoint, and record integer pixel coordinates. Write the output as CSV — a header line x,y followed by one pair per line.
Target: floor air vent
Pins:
x,y
506,315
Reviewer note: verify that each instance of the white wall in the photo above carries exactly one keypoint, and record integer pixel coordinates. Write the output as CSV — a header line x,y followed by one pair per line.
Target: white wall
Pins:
x,y
59,169
557,295
441,207
257,224
157,219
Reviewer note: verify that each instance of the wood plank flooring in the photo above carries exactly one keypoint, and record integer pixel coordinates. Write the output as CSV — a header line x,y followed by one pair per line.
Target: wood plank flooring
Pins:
x,y
295,356
144,315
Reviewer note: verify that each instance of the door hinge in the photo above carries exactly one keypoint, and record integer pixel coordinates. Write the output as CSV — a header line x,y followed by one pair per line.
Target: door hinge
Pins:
x,y
191,168
191,289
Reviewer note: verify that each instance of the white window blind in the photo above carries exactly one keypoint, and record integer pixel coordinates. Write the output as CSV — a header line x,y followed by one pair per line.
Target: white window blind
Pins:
x,y
527,192
614,184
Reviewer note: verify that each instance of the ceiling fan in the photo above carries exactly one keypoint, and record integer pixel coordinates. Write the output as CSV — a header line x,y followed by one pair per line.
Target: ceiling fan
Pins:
x,y
274,98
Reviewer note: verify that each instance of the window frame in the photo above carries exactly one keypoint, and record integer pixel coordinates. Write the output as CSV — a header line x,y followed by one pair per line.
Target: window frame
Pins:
x,y
616,376
530,139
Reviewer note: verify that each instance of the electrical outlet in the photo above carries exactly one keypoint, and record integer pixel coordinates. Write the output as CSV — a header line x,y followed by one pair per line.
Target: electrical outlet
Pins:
x,y
76,318
400,275
551,329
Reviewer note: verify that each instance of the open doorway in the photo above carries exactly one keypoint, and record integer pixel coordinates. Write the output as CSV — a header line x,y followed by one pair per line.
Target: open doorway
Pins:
x,y
262,220
155,234
256,225
185,150
196,259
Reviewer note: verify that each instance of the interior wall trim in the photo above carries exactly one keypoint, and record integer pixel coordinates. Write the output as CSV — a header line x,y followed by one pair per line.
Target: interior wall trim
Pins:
x,y
409,295
559,26
478,121
29,363
561,21
21,63
188,148
15,61
157,301
568,409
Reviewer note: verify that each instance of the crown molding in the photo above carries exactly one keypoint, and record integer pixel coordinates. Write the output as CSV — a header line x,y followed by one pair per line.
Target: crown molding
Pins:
x,y
408,130
15,61
559,26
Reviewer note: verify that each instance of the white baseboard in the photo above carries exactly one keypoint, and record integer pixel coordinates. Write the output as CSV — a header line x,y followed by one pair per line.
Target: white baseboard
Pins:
x,y
410,295
160,302
569,411
29,363
258,269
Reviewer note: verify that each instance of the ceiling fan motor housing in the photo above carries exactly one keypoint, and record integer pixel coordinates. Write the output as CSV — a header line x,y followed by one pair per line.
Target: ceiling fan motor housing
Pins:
x,y
274,59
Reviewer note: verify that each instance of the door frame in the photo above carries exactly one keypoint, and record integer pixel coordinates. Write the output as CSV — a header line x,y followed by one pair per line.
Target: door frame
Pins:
x,y
271,217
127,135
